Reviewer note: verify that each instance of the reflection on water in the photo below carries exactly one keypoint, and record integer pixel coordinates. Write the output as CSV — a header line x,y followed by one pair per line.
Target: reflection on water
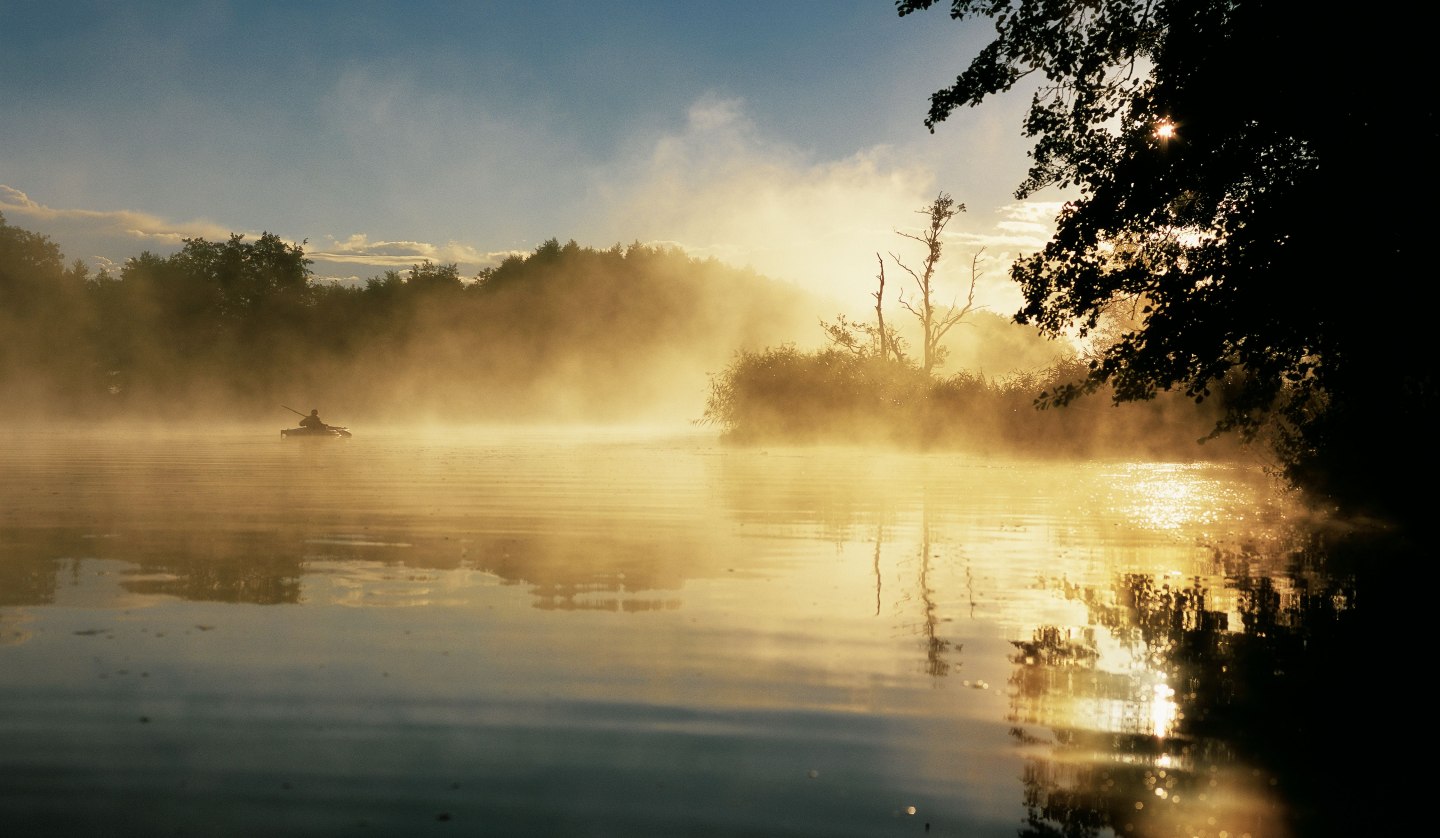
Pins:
x,y
618,634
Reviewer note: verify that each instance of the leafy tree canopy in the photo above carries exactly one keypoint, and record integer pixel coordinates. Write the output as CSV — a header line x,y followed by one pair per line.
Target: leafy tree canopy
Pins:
x,y
1245,170
247,275
31,268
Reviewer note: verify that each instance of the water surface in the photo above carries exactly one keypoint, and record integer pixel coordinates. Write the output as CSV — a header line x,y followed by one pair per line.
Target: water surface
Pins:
x,y
222,632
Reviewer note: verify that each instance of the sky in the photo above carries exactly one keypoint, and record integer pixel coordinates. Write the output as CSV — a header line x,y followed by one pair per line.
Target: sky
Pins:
x,y
786,137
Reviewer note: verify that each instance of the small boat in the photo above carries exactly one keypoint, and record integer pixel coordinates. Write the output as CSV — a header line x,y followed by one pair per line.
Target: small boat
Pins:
x,y
312,426
327,431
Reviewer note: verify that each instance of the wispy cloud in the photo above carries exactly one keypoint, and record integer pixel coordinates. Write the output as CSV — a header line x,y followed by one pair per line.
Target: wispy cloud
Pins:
x,y
129,223
109,237
715,185
358,249
719,188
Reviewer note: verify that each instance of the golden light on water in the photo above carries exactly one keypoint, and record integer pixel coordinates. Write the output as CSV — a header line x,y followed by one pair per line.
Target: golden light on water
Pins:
x,y
912,605
1163,711
1168,496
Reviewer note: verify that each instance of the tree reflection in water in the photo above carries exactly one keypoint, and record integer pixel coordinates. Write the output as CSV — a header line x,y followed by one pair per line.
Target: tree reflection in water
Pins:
x,y
1182,710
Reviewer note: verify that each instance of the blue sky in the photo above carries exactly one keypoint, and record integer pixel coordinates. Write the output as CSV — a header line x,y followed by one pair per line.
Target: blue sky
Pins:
x,y
783,136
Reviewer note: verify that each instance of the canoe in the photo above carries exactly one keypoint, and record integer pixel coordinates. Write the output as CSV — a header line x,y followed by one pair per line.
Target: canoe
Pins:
x,y
330,431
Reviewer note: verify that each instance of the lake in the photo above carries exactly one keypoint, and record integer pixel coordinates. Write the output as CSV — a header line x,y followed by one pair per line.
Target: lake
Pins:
x,y
644,632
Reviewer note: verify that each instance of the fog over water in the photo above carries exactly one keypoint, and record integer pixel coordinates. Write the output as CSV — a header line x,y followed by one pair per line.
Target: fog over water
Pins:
x,y
598,631
616,542
658,495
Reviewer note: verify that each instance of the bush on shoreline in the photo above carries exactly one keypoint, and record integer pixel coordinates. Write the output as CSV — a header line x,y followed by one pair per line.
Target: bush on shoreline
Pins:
x,y
782,395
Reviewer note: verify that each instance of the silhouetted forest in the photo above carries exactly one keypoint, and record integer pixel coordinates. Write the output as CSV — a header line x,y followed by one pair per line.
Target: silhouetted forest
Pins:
x,y
236,328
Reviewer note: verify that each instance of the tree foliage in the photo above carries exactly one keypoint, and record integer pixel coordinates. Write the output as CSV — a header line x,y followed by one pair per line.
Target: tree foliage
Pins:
x,y
42,321
1242,168
840,396
237,327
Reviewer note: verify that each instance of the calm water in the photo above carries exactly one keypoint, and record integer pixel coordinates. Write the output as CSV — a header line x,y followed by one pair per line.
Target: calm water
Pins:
x,y
606,633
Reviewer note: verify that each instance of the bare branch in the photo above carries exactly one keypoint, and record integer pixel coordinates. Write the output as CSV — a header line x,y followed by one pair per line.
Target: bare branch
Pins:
x,y
879,296
932,325
955,316
904,267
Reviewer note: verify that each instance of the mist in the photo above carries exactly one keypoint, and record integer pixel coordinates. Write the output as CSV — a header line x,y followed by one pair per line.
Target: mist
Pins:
x,y
234,330
239,331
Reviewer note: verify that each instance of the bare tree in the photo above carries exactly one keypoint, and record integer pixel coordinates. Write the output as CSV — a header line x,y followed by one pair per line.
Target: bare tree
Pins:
x,y
889,344
863,339
934,322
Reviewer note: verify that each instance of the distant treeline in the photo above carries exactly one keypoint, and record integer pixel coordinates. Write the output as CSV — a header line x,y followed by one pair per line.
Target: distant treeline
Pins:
x,y
236,328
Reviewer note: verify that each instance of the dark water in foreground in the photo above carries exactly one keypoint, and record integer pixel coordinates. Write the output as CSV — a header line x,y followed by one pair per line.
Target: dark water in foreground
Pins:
x,y
606,633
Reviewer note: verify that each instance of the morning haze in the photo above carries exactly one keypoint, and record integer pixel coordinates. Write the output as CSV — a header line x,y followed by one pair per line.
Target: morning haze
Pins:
x,y
240,331
629,419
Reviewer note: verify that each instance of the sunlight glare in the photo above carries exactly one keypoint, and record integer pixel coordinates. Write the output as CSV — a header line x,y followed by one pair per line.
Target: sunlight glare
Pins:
x,y
1169,496
1163,711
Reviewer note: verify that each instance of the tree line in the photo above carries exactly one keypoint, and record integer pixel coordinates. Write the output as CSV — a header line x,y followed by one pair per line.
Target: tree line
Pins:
x,y
234,328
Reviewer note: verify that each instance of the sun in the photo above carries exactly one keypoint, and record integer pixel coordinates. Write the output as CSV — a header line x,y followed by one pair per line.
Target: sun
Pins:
x,y
1165,130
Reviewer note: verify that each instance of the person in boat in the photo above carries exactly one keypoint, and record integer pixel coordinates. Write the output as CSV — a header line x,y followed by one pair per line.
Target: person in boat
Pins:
x,y
313,423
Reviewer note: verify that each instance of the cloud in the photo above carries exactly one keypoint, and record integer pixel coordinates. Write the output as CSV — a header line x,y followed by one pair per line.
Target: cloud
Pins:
x,y
105,238
718,187
712,183
358,249
128,223
109,237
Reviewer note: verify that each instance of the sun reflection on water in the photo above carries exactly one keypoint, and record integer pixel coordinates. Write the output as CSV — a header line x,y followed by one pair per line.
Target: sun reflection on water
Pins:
x,y
1168,496
746,593
1163,711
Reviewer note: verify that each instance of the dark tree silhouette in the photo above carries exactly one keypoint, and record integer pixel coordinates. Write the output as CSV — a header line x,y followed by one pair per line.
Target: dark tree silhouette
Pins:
x,y
429,277
43,324
935,320
1242,170
251,278
229,329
